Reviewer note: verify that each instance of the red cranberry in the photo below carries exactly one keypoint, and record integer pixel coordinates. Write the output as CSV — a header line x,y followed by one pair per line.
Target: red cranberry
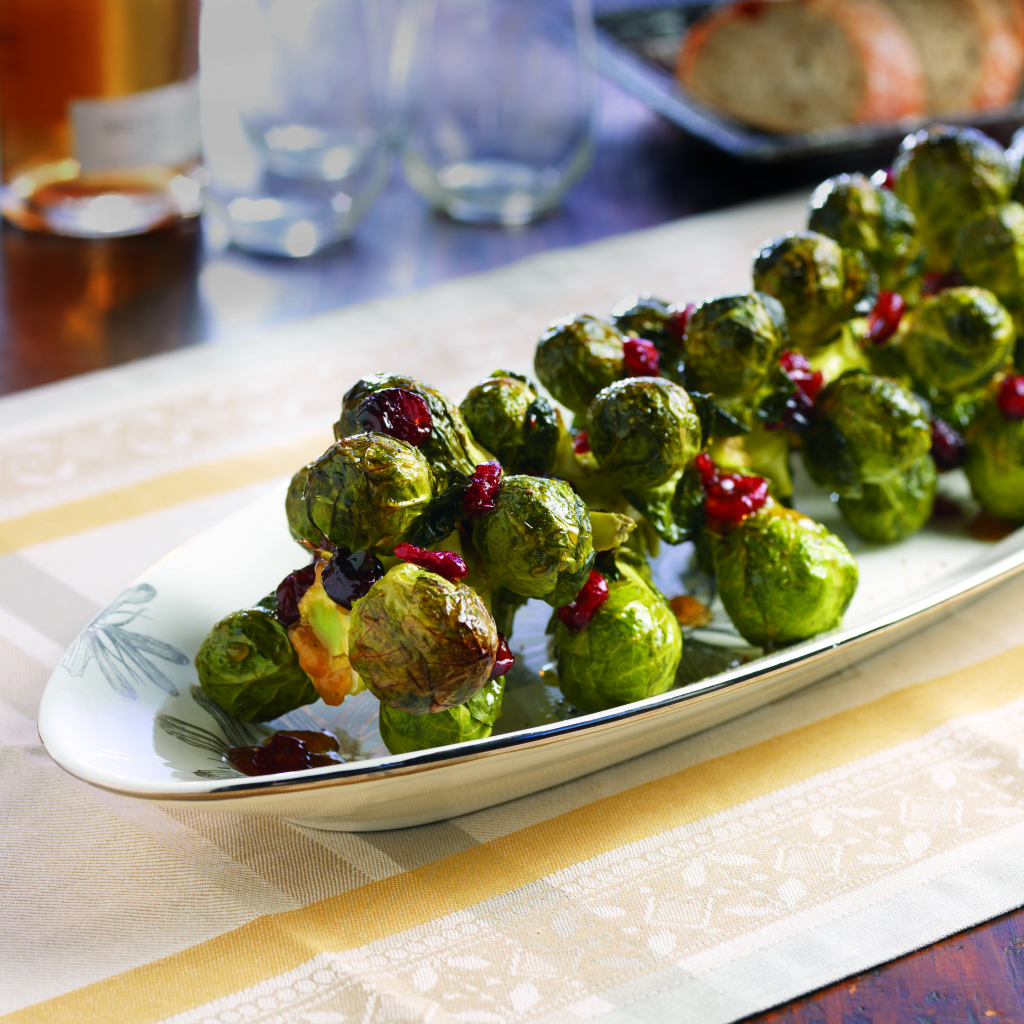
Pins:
x,y
444,563
290,590
729,497
577,614
735,497
641,358
679,320
1010,398
397,413
885,178
581,445
798,368
504,660
885,318
482,491
948,449
349,575
797,413
708,469
287,751
935,281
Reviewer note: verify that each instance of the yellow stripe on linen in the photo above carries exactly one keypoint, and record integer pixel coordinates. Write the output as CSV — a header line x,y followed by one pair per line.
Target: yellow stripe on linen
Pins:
x,y
271,945
159,493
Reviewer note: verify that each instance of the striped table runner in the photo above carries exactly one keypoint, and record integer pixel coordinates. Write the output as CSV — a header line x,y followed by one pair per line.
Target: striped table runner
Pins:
x,y
853,822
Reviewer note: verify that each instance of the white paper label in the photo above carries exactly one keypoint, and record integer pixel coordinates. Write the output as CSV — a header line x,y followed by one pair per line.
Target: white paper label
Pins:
x,y
159,126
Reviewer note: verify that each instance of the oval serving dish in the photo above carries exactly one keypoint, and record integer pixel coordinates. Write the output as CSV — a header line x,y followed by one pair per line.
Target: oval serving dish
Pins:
x,y
123,712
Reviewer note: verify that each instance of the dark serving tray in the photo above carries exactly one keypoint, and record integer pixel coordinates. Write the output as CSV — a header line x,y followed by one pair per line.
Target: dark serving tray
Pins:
x,y
637,43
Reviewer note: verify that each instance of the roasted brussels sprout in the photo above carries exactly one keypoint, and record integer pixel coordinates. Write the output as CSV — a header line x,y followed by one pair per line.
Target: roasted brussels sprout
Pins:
x,y
450,446
818,282
421,643
990,253
365,491
403,733
248,666
895,508
629,650
299,524
864,429
945,174
521,428
995,463
576,358
643,431
957,340
858,214
732,343
782,577
645,316
537,542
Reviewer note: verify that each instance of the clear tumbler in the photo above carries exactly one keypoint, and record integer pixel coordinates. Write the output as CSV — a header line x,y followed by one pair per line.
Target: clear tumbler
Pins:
x,y
309,81
499,103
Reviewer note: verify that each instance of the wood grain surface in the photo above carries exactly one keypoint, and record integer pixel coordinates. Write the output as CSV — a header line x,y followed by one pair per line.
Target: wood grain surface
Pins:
x,y
70,306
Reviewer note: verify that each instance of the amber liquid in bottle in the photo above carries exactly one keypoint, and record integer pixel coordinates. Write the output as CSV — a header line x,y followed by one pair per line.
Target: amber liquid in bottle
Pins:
x,y
98,114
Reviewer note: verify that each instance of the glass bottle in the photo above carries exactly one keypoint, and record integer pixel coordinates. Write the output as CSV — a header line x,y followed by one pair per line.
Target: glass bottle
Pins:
x,y
99,114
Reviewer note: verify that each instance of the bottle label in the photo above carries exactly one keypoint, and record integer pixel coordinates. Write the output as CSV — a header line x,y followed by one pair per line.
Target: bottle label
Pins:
x,y
159,126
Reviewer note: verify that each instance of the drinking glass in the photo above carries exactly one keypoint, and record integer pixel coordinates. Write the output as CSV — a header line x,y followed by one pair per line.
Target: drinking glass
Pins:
x,y
309,80
499,103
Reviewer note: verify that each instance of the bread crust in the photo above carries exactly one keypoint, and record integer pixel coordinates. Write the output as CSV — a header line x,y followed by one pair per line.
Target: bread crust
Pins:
x,y
892,83
896,81
1003,45
971,51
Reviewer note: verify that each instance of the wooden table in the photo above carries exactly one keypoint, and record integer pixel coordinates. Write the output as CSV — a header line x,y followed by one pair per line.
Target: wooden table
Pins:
x,y
71,306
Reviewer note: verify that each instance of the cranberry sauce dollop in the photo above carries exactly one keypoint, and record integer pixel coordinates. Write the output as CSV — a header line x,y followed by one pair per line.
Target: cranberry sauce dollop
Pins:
x,y
482,491
286,751
349,575
729,497
576,615
444,563
397,413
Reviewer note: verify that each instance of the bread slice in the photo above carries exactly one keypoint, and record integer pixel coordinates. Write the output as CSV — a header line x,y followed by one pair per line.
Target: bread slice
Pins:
x,y
971,51
803,65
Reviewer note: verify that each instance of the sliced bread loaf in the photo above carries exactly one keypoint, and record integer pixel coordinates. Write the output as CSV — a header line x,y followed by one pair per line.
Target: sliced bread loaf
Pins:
x,y
970,49
803,65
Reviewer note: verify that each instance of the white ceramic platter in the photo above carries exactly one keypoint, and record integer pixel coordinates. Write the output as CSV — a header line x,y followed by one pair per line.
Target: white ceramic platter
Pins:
x,y
123,712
